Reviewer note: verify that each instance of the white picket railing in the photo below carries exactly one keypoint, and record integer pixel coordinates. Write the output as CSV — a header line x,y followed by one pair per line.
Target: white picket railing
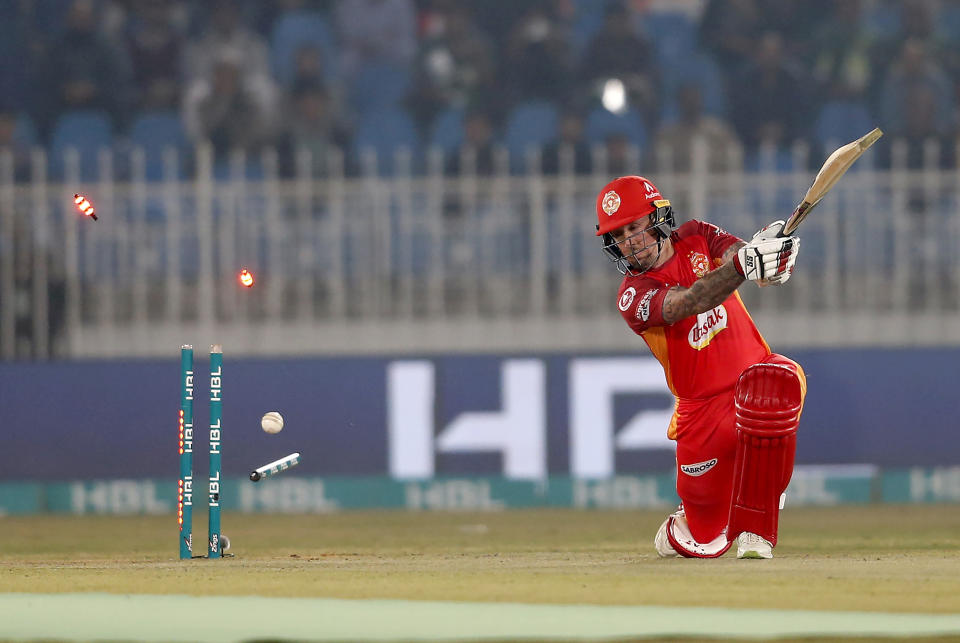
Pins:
x,y
426,262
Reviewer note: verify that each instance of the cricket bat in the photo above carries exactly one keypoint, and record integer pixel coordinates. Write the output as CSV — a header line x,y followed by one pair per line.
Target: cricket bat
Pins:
x,y
831,171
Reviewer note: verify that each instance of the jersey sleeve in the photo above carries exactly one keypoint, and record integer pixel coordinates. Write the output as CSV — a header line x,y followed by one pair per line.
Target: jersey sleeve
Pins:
x,y
641,304
718,239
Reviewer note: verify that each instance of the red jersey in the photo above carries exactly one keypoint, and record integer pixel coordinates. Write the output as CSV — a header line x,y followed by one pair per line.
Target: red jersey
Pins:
x,y
704,354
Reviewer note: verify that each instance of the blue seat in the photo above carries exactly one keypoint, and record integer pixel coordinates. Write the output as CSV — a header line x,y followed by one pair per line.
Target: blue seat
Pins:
x,y
882,19
698,69
384,132
842,121
379,86
86,131
24,131
589,16
948,23
447,131
225,169
533,123
602,124
672,34
155,132
296,29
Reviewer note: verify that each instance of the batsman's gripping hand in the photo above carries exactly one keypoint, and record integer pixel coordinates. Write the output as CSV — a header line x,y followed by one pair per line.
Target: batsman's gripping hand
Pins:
x,y
768,259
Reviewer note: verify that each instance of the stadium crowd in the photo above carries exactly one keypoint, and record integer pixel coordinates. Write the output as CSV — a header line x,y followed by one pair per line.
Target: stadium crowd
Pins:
x,y
562,74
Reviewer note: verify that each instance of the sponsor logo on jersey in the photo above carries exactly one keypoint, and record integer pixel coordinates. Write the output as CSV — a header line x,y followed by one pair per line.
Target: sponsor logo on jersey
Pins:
x,y
700,263
708,325
698,468
643,308
610,203
627,298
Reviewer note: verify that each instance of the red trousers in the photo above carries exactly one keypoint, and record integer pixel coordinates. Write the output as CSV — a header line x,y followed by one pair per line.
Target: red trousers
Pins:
x,y
706,450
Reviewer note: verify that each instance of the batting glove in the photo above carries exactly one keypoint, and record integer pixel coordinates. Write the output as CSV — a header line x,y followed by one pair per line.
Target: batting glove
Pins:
x,y
767,261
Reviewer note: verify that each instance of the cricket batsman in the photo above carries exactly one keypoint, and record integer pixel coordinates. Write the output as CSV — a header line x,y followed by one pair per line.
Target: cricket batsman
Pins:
x,y
737,403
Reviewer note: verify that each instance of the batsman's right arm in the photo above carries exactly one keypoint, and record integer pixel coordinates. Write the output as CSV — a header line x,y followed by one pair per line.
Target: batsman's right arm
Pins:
x,y
707,292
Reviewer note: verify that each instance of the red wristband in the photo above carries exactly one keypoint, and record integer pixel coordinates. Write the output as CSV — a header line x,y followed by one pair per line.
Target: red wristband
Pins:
x,y
737,266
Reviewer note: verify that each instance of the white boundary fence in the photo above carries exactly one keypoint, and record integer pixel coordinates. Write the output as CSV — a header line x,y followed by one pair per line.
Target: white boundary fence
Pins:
x,y
428,262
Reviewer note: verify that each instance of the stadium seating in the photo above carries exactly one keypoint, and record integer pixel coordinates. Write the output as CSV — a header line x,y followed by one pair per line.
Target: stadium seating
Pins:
x,y
672,34
296,29
384,132
698,69
529,123
379,86
589,20
231,169
602,124
842,121
25,131
87,132
156,132
447,131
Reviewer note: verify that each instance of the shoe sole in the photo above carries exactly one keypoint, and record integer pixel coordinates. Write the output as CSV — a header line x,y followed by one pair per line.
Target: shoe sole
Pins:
x,y
754,555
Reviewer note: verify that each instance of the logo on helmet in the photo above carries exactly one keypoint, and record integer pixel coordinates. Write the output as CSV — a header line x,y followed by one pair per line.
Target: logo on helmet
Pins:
x,y
650,190
611,203
627,298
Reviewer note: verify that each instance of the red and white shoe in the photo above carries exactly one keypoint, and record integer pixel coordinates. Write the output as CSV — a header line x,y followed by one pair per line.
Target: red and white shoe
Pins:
x,y
661,542
674,539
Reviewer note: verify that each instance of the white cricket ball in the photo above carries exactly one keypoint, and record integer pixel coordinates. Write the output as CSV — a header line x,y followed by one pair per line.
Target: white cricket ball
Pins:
x,y
272,422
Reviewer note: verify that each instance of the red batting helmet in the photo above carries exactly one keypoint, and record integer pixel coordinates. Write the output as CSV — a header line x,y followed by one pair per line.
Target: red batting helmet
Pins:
x,y
624,200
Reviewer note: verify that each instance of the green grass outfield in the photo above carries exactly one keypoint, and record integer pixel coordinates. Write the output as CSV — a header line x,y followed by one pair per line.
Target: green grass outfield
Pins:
x,y
877,559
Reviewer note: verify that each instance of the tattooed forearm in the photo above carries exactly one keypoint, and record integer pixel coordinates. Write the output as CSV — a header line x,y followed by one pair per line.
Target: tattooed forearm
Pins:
x,y
706,293
729,253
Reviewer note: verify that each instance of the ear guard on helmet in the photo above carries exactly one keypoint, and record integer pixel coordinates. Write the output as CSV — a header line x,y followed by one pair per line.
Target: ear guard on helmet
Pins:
x,y
661,221
662,218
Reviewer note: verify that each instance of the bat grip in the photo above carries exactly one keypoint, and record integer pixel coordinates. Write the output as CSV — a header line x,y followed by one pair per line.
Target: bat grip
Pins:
x,y
795,219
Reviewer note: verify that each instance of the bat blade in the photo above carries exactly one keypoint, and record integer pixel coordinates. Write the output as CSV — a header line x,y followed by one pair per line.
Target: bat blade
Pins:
x,y
833,168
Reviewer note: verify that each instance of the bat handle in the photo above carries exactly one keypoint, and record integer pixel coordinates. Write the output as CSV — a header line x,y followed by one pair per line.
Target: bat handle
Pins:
x,y
795,219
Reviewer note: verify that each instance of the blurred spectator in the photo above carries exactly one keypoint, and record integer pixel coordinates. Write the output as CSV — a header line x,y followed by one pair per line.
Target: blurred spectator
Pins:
x,y
83,70
617,51
309,124
570,152
622,157
796,20
261,15
730,30
914,20
477,152
678,138
153,43
768,106
841,49
229,109
913,71
226,31
920,129
308,65
21,49
18,148
538,61
455,65
376,31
